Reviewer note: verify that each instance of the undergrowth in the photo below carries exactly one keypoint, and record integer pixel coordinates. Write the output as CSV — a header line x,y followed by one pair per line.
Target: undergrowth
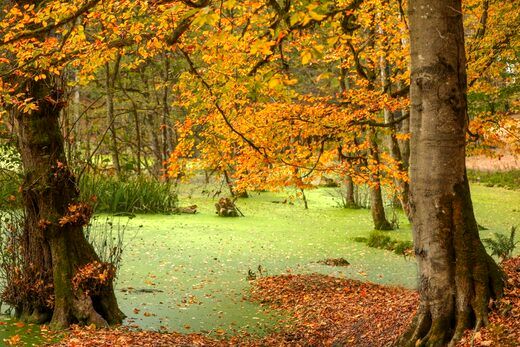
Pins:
x,y
111,195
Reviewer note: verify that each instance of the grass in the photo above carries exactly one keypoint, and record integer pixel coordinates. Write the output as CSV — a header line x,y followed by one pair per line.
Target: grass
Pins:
x,y
506,179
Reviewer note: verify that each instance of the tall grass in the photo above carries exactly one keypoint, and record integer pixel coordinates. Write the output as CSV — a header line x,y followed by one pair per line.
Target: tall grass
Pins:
x,y
112,195
132,195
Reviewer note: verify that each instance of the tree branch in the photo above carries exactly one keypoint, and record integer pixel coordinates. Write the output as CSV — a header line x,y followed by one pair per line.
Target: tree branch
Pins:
x,y
42,30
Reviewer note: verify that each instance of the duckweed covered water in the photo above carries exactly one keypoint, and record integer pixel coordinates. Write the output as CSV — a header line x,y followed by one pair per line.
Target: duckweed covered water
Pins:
x,y
189,272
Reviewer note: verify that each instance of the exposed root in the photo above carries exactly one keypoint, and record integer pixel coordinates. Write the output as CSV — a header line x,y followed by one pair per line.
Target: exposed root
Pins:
x,y
472,311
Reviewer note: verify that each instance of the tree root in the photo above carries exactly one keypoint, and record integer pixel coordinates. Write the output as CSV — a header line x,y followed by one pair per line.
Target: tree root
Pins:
x,y
463,310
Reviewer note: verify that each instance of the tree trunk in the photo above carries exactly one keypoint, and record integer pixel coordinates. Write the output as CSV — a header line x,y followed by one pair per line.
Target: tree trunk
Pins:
x,y
457,276
156,168
350,199
54,240
109,89
393,144
139,145
166,124
376,197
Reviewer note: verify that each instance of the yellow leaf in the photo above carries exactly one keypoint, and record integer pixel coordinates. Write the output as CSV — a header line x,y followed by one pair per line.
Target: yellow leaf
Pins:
x,y
316,16
274,82
306,57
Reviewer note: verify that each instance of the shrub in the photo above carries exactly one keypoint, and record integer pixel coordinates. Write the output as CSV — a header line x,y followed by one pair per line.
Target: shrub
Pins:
x,y
402,247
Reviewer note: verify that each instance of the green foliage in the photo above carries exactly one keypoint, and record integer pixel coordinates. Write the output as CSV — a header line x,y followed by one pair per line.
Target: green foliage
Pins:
x,y
381,240
133,195
506,179
502,245
360,239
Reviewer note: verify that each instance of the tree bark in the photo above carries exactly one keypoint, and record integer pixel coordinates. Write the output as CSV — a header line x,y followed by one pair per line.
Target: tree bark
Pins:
x,y
53,247
457,277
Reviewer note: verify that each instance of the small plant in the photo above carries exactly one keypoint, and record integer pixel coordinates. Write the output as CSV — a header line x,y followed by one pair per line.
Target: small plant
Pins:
x,y
403,247
360,239
379,239
501,245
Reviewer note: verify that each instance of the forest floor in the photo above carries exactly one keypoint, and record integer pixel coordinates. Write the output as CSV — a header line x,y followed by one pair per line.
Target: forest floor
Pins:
x,y
328,311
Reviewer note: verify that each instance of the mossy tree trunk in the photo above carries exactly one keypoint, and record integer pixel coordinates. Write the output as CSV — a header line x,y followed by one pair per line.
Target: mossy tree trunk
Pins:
x,y
54,245
457,277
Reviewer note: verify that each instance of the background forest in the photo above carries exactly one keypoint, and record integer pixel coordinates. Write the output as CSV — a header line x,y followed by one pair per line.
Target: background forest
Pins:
x,y
135,125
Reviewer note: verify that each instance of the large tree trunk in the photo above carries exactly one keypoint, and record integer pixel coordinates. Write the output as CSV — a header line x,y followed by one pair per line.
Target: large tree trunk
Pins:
x,y
54,241
457,276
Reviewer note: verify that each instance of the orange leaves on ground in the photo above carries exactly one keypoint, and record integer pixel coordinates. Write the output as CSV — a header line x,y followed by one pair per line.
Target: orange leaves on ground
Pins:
x,y
82,337
14,340
325,310
330,310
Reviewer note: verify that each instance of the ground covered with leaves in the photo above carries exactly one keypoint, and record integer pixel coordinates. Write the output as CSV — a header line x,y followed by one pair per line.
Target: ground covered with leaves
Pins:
x,y
328,311
504,327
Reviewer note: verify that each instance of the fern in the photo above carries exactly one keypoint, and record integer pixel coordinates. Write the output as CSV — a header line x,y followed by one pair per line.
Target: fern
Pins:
x,y
502,245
